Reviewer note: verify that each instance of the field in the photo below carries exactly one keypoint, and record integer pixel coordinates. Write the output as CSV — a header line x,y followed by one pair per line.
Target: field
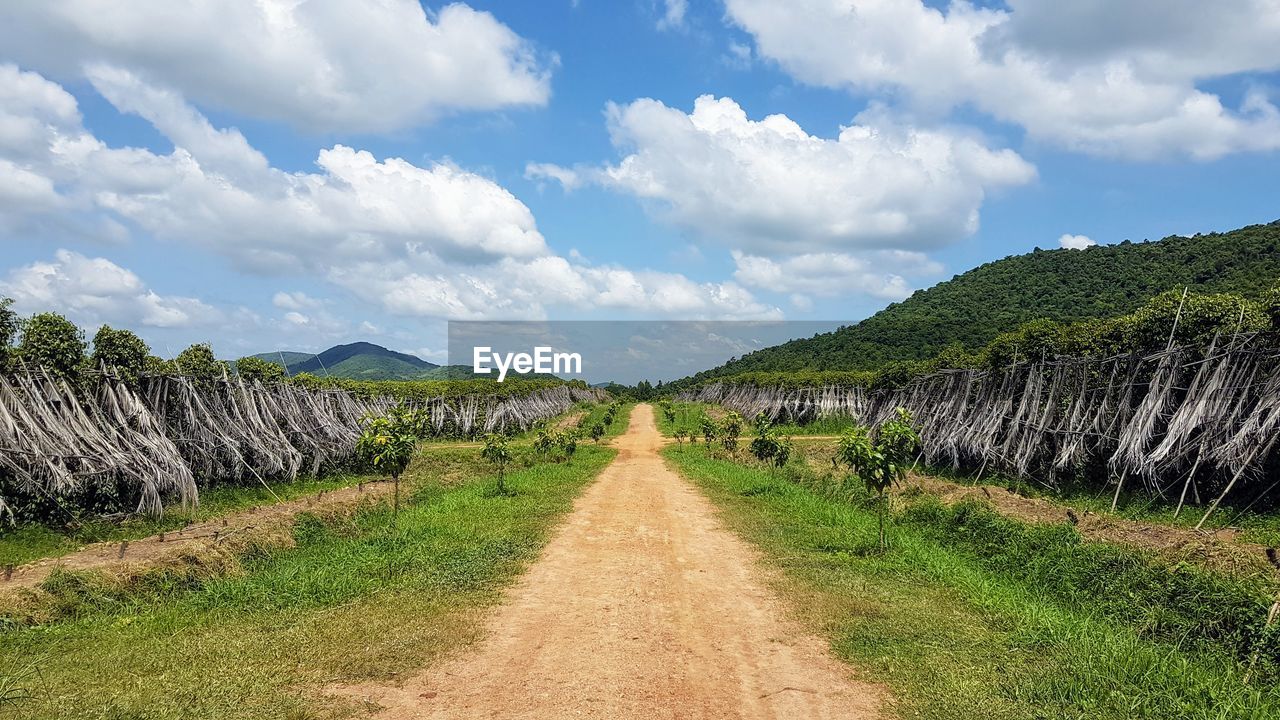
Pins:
x,y
357,598
469,597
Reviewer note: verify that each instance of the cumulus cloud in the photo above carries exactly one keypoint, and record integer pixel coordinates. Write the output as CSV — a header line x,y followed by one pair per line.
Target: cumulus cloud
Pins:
x,y
525,289
320,65
1116,79
767,186
93,291
437,241
1075,242
216,190
831,275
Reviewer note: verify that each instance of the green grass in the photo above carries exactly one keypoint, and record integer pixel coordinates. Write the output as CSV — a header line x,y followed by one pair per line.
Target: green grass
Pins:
x,y
356,600
970,615
621,418
688,416
1258,523
28,542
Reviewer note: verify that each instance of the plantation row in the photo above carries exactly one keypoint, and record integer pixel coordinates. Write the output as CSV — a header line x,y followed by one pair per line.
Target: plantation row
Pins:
x,y
1199,415
121,449
119,430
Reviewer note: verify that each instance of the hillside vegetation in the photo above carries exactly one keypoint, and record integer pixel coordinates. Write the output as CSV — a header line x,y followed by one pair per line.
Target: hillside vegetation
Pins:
x,y
973,308
357,361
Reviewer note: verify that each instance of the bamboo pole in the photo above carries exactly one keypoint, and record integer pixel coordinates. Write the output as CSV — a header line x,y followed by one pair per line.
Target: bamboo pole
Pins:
x,y
1187,484
1243,466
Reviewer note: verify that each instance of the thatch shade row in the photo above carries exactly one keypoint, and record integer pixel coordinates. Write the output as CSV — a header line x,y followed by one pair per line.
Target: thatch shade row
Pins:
x,y
1211,413
173,435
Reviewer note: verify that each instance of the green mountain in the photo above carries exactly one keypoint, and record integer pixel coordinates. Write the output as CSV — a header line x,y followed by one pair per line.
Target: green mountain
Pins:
x,y
363,361
1063,285
287,356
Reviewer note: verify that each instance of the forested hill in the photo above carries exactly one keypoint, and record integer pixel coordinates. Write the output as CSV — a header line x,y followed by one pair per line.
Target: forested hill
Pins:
x,y
1062,285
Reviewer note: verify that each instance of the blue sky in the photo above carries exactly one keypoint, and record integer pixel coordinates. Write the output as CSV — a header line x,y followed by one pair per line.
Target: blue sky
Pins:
x,y
294,175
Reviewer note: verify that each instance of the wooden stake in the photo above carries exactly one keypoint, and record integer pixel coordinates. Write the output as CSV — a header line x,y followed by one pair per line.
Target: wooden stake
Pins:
x,y
395,513
1234,479
1187,484
1177,317
1116,500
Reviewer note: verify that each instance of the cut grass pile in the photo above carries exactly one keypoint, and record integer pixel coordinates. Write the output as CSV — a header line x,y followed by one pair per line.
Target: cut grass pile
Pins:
x,y
971,615
357,599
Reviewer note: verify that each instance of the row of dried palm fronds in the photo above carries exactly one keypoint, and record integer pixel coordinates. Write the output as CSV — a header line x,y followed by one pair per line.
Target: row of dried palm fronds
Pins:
x,y
1177,420
163,441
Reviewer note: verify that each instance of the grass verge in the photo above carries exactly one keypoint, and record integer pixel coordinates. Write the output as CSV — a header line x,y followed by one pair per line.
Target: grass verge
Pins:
x,y
356,599
971,615
30,542
1258,519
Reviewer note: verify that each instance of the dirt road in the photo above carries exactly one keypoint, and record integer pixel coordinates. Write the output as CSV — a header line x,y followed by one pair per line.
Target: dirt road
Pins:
x,y
642,606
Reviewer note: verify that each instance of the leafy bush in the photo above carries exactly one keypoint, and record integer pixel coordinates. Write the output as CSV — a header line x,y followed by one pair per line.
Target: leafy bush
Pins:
x,y
51,341
122,351
199,363
881,459
255,368
9,325
497,452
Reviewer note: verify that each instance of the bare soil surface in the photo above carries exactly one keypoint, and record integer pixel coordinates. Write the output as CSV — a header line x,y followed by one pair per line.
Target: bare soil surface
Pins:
x,y
195,543
642,606
571,420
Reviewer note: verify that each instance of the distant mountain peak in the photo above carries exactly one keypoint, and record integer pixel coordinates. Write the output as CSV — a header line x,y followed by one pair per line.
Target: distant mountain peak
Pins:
x,y
358,360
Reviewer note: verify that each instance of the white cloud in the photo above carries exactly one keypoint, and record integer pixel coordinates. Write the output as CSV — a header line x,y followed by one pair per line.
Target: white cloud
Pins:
x,y
672,14
321,65
768,186
214,189
437,242
828,275
295,301
569,179
738,57
93,291
1109,78
1075,242
525,289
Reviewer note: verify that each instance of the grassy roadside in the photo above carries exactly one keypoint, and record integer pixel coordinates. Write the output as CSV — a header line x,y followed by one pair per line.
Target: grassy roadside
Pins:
x,y
1258,522
356,599
621,418
30,542
974,616
1255,526
688,416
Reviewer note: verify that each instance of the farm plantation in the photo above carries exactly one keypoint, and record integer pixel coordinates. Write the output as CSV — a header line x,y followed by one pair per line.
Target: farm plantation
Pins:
x,y
949,538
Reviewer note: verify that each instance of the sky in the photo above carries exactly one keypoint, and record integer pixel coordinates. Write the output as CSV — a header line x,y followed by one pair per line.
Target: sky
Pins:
x,y
293,174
